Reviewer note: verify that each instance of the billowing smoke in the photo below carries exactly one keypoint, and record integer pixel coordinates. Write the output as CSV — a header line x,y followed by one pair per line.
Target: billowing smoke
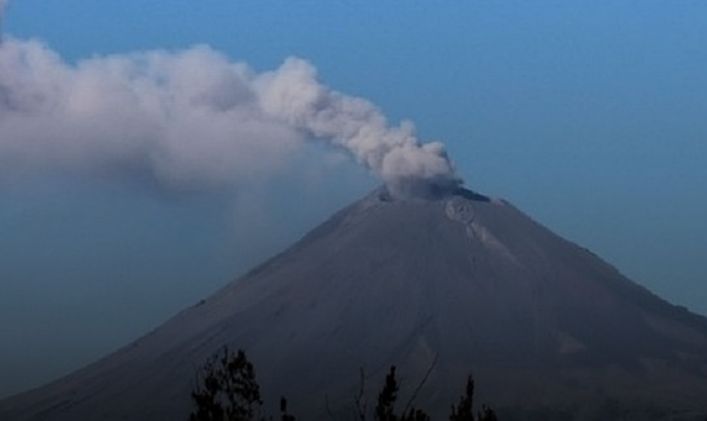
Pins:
x,y
190,119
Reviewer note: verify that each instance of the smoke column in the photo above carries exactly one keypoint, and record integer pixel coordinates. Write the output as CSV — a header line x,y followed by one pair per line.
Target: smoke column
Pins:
x,y
190,119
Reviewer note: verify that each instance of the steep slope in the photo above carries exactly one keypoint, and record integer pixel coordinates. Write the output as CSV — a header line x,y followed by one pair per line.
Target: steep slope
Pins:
x,y
460,283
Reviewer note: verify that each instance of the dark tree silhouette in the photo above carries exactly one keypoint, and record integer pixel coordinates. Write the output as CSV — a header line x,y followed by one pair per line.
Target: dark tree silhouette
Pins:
x,y
385,408
284,415
226,389
416,415
464,410
486,414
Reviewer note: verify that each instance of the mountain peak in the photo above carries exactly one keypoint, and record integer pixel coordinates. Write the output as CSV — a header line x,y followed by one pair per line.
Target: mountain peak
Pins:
x,y
423,188
431,192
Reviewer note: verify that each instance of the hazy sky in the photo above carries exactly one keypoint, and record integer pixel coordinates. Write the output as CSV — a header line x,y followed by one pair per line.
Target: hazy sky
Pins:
x,y
587,115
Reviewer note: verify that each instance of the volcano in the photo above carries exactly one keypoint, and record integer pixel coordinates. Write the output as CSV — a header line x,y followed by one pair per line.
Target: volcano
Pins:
x,y
456,284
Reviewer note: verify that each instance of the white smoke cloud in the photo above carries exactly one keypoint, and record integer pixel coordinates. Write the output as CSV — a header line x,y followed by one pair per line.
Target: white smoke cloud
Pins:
x,y
191,119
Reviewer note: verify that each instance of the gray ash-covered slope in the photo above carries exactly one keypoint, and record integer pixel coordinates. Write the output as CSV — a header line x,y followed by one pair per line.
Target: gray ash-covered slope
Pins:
x,y
463,282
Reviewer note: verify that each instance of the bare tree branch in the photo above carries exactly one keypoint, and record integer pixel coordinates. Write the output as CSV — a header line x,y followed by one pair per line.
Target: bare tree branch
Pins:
x,y
360,397
421,384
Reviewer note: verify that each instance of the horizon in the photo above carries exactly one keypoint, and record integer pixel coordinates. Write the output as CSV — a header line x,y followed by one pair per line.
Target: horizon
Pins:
x,y
604,148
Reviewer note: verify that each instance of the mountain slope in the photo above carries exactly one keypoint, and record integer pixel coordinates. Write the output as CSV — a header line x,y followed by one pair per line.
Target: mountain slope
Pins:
x,y
460,283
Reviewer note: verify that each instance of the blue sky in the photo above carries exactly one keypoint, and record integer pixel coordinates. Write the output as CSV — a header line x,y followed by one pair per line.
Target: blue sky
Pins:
x,y
587,115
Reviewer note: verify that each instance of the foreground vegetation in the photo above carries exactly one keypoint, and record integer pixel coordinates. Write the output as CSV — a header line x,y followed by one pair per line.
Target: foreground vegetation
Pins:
x,y
227,390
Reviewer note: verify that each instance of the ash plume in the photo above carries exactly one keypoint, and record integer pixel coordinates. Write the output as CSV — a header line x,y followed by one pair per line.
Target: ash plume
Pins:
x,y
192,118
